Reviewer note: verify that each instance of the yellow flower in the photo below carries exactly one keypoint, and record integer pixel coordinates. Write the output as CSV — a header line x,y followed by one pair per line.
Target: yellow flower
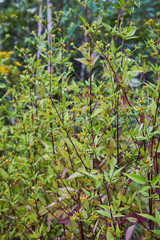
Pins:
x,y
139,109
78,214
150,20
18,64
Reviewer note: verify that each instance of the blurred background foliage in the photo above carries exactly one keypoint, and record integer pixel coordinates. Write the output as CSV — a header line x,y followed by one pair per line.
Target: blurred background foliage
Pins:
x,y
18,20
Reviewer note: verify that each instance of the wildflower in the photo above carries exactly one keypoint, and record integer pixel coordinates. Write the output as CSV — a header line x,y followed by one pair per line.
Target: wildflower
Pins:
x,y
139,109
78,214
18,64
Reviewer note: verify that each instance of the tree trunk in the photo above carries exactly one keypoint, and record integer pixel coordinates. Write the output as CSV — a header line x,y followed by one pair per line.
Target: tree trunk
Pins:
x,y
49,28
40,26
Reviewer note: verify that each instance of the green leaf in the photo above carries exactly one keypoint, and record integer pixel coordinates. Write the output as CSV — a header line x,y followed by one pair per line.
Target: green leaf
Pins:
x,y
106,177
153,107
2,85
76,143
107,26
157,215
157,232
88,162
117,172
3,173
105,207
155,180
103,213
89,174
74,175
144,189
113,46
136,178
83,19
82,60
110,236
150,217
63,153
96,112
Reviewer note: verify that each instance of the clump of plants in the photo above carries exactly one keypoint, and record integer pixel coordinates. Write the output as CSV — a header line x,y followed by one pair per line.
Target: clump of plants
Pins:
x,y
80,159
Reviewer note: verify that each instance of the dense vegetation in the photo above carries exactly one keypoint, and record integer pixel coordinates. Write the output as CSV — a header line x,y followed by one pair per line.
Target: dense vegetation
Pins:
x,y
80,120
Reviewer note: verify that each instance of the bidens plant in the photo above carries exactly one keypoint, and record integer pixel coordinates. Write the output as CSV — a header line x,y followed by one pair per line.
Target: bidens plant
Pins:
x,y
81,158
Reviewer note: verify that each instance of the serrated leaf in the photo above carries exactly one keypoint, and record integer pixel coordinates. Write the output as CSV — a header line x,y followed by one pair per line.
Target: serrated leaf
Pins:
x,y
155,180
136,178
144,189
117,172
